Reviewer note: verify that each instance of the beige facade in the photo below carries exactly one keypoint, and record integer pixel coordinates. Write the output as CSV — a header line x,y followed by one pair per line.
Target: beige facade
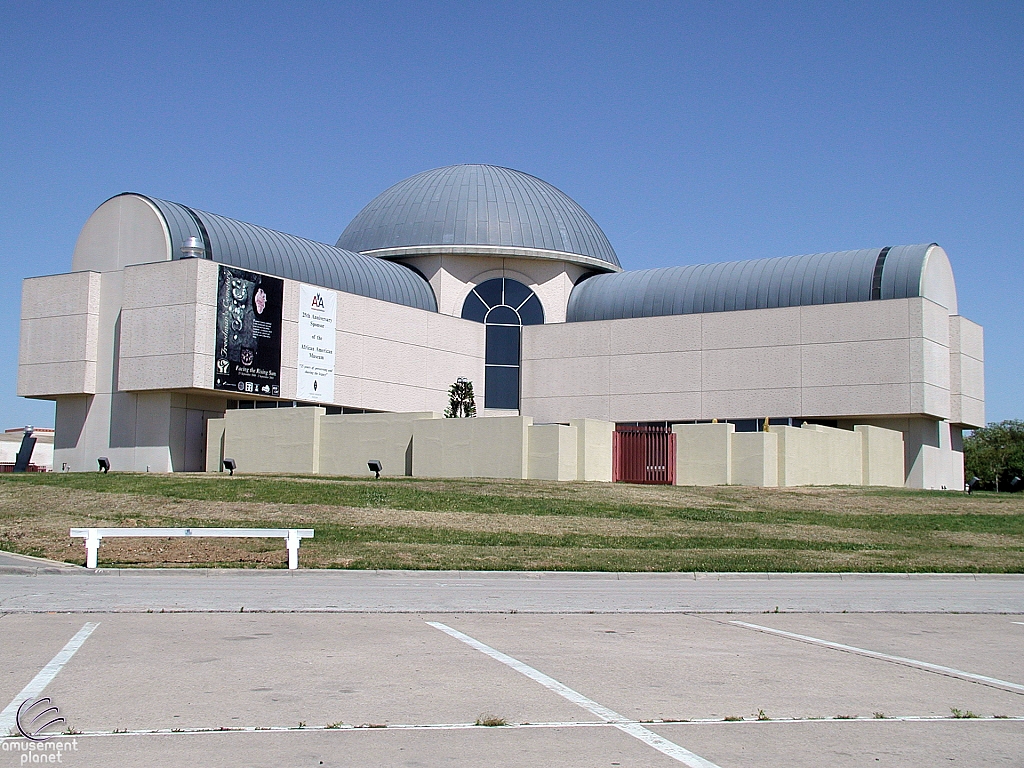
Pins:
x,y
124,344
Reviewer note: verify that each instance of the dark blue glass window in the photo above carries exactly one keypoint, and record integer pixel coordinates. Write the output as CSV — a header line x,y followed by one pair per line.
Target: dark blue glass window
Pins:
x,y
504,306
531,311
516,293
503,316
474,309
502,345
490,292
501,387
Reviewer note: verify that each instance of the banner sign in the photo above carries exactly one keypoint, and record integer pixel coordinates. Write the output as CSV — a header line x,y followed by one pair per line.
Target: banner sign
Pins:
x,y
318,314
247,356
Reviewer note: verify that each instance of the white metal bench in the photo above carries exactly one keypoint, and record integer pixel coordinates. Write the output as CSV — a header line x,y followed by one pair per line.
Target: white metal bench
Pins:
x,y
93,537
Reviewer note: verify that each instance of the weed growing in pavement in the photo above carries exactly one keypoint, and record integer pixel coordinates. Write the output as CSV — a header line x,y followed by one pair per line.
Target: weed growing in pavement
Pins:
x,y
490,721
962,714
761,715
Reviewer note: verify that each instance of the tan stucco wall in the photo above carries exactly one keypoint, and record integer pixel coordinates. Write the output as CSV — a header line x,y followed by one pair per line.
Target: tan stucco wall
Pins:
x,y
593,449
715,454
882,456
59,342
704,454
817,455
495,447
755,459
348,442
274,439
215,445
552,452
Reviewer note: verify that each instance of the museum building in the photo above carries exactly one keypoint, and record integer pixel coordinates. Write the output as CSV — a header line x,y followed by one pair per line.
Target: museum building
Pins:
x,y
171,317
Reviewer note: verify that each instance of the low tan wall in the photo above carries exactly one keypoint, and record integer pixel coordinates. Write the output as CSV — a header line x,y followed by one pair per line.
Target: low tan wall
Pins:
x,y
715,454
274,439
349,441
882,454
306,440
215,445
703,454
817,455
491,447
755,459
593,449
552,452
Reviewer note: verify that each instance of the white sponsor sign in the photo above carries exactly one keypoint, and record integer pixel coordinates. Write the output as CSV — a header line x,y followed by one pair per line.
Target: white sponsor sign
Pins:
x,y
318,314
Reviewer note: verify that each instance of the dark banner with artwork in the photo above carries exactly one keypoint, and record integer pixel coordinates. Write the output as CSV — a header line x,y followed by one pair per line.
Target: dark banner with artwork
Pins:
x,y
248,352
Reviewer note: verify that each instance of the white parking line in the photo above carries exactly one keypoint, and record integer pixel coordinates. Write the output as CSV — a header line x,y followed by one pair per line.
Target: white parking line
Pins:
x,y
44,678
1015,687
613,718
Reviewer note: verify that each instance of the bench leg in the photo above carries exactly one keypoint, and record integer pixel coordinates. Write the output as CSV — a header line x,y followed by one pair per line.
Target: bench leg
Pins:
x,y
293,549
92,548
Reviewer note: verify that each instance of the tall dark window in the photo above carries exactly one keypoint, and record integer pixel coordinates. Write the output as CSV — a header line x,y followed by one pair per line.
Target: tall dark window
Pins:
x,y
504,306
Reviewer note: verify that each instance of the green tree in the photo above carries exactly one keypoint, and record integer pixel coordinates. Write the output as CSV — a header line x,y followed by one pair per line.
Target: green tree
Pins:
x,y
461,401
995,454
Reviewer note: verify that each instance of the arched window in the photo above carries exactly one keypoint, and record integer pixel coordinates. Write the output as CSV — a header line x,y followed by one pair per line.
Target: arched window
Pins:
x,y
504,306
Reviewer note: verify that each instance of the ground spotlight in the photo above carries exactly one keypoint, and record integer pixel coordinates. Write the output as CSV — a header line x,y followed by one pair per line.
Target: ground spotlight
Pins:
x,y
104,463
375,467
229,465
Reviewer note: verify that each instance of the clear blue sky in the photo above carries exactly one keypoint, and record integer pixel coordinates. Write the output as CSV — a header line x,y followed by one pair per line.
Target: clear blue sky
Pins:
x,y
691,132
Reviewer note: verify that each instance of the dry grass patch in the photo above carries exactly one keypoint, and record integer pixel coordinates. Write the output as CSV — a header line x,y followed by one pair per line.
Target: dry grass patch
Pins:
x,y
513,525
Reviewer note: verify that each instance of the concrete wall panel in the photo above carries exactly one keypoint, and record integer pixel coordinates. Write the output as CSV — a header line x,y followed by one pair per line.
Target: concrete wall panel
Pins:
x,y
856,362
593,449
58,348
655,372
274,440
752,368
861,399
703,454
552,452
882,456
493,447
348,442
749,403
675,333
755,459
864,321
738,330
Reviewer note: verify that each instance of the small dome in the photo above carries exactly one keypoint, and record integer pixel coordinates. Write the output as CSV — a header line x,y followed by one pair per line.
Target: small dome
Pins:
x,y
482,210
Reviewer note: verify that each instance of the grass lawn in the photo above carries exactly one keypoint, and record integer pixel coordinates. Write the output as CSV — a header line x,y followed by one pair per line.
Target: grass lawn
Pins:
x,y
516,524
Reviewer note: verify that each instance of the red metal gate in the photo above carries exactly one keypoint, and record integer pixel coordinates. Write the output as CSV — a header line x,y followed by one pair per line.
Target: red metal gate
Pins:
x,y
644,455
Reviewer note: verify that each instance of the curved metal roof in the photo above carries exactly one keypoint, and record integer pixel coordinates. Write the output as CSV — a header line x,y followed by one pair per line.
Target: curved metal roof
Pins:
x,y
274,253
821,278
482,210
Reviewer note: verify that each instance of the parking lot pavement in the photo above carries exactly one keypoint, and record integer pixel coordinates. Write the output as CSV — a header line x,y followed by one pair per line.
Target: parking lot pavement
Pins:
x,y
572,690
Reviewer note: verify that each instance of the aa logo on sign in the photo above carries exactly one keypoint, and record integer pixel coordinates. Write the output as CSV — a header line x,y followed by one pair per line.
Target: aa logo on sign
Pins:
x,y
318,302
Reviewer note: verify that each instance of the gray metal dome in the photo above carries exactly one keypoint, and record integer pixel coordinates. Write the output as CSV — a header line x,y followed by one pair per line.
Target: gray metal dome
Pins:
x,y
248,246
481,210
823,278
